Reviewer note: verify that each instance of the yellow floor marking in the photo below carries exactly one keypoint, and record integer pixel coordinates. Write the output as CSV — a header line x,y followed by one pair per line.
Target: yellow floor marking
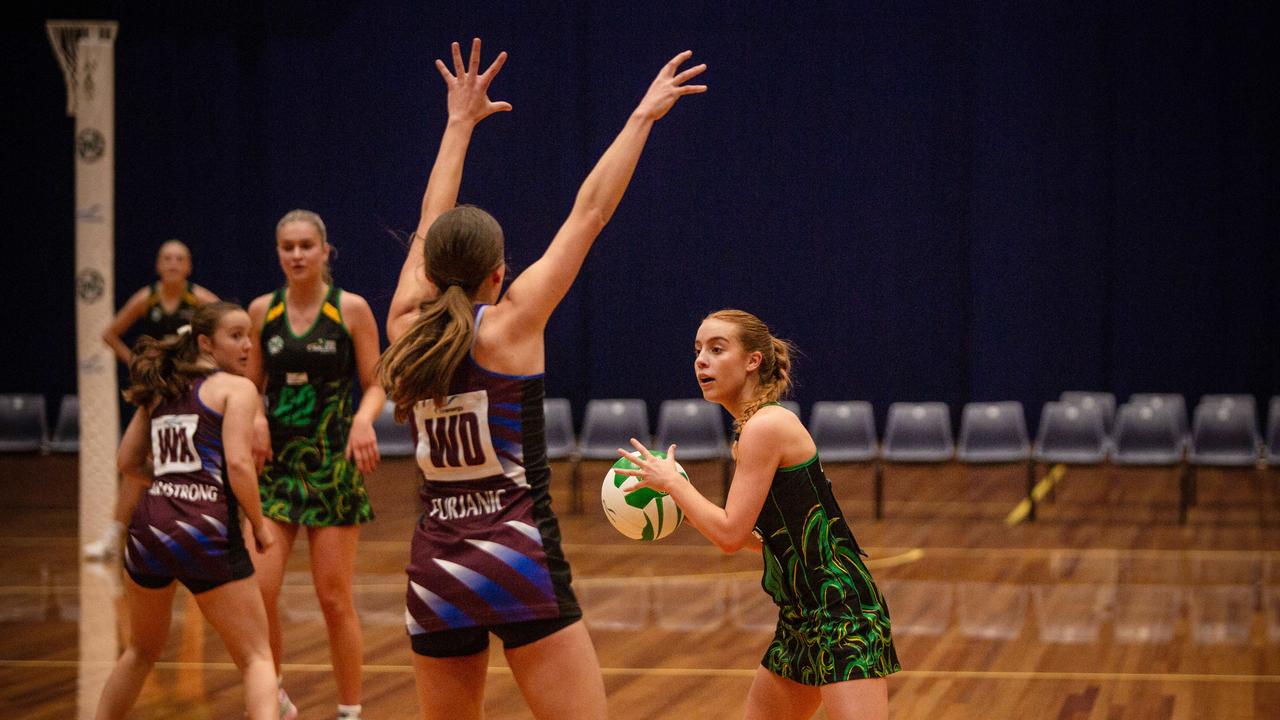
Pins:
x,y
1042,488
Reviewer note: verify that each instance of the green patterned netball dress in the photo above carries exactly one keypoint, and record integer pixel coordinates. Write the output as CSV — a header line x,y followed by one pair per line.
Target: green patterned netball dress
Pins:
x,y
833,624
309,481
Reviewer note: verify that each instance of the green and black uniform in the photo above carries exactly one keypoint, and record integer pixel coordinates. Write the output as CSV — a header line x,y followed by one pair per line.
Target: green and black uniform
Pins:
x,y
158,323
833,624
309,481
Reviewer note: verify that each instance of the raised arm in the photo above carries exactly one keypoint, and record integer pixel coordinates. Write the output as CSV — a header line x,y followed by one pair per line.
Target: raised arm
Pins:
x,y
131,312
536,292
468,104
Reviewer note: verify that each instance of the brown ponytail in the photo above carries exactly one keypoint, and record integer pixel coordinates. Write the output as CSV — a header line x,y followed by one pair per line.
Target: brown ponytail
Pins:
x,y
462,247
775,360
164,369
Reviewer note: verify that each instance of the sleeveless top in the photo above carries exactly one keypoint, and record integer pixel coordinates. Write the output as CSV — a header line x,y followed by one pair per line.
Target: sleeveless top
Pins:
x,y
309,409
187,524
157,323
486,549
811,559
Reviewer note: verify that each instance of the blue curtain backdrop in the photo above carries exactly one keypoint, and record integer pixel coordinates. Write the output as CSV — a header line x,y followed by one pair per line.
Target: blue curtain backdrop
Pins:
x,y
934,200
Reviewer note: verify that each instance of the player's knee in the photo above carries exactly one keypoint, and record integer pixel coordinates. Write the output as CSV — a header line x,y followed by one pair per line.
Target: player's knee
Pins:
x,y
335,601
145,652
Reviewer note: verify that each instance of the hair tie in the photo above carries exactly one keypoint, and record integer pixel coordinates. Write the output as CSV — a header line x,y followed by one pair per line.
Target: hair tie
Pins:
x,y
185,329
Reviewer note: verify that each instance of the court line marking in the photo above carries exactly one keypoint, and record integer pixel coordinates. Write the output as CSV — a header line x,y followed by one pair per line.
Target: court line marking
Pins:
x,y
909,556
1037,675
1042,488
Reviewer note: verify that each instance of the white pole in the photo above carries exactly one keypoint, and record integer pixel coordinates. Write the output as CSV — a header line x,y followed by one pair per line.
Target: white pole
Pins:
x,y
96,364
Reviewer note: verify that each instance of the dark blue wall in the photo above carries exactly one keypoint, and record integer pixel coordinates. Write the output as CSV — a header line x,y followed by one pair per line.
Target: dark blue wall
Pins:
x,y
934,200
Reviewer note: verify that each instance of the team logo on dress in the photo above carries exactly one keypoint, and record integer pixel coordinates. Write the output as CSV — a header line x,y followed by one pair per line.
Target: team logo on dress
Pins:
x,y
90,285
325,346
90,145
275,344
155,314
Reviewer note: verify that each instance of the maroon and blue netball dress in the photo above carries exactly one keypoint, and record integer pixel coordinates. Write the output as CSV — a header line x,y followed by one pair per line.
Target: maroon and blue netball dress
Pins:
x,y
486,551
187,525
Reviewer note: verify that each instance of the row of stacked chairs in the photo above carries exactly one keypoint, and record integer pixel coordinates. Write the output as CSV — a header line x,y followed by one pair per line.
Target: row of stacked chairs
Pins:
x,y
1080,428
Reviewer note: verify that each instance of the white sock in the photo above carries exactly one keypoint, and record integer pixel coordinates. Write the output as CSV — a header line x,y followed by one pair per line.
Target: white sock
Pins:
x,y
349,711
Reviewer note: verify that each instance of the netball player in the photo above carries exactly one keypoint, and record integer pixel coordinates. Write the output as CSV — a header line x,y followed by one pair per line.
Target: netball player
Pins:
x,y
466,364
832,644
311,338
190,441
158,310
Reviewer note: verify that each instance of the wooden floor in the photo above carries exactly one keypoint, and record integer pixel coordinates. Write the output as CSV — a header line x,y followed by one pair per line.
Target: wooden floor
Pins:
x,y
1104,607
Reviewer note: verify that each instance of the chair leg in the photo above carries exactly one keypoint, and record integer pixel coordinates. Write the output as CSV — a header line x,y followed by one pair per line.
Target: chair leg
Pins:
x,y
1184,494
575,487
879,490
1031,490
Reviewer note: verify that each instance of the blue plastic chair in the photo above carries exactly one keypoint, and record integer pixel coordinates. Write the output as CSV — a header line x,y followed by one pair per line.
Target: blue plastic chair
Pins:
x,y
1176,403
844,430
66,432
697,426
1104,401
1224,434
918,433
1273,432
559,424
914,433
610,424
993,433
23,425
1071,434
1147,434
996,433
394,439
606,426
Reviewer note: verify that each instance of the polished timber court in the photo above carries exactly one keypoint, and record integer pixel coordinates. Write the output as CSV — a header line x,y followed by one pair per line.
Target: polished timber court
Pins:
x,y
1103,608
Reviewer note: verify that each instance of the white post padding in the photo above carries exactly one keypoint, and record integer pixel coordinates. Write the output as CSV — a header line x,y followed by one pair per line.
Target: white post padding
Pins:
x,y
95,282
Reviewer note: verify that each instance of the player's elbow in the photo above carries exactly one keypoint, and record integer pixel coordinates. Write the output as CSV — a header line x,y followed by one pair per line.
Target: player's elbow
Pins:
x,y
731,542
591,216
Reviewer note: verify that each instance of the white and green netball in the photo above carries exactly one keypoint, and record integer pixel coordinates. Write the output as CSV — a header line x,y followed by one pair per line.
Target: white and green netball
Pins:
x,y
644,514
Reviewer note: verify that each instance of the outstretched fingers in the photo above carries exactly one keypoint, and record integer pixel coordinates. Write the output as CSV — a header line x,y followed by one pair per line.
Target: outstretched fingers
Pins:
x,y
444,71
689,73
677,61
496,65
475,56
644,451
458,68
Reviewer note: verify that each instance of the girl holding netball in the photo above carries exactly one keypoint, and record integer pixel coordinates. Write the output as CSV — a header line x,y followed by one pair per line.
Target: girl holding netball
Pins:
x,y
191,443
311,339
466,365
832,644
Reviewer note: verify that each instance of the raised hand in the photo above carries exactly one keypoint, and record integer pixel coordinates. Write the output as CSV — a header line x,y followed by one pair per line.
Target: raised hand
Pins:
x,y
669,86
469,88
652,471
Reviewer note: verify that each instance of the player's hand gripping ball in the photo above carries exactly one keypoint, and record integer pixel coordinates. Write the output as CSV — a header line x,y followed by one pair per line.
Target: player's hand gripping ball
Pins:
x,y
644,514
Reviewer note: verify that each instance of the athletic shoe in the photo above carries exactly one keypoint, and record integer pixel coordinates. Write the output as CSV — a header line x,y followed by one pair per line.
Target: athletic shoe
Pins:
x,y
105,548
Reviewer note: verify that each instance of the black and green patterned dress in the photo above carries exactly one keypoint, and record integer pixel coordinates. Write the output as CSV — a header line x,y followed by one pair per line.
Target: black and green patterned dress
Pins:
x,y
833,623
309,481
